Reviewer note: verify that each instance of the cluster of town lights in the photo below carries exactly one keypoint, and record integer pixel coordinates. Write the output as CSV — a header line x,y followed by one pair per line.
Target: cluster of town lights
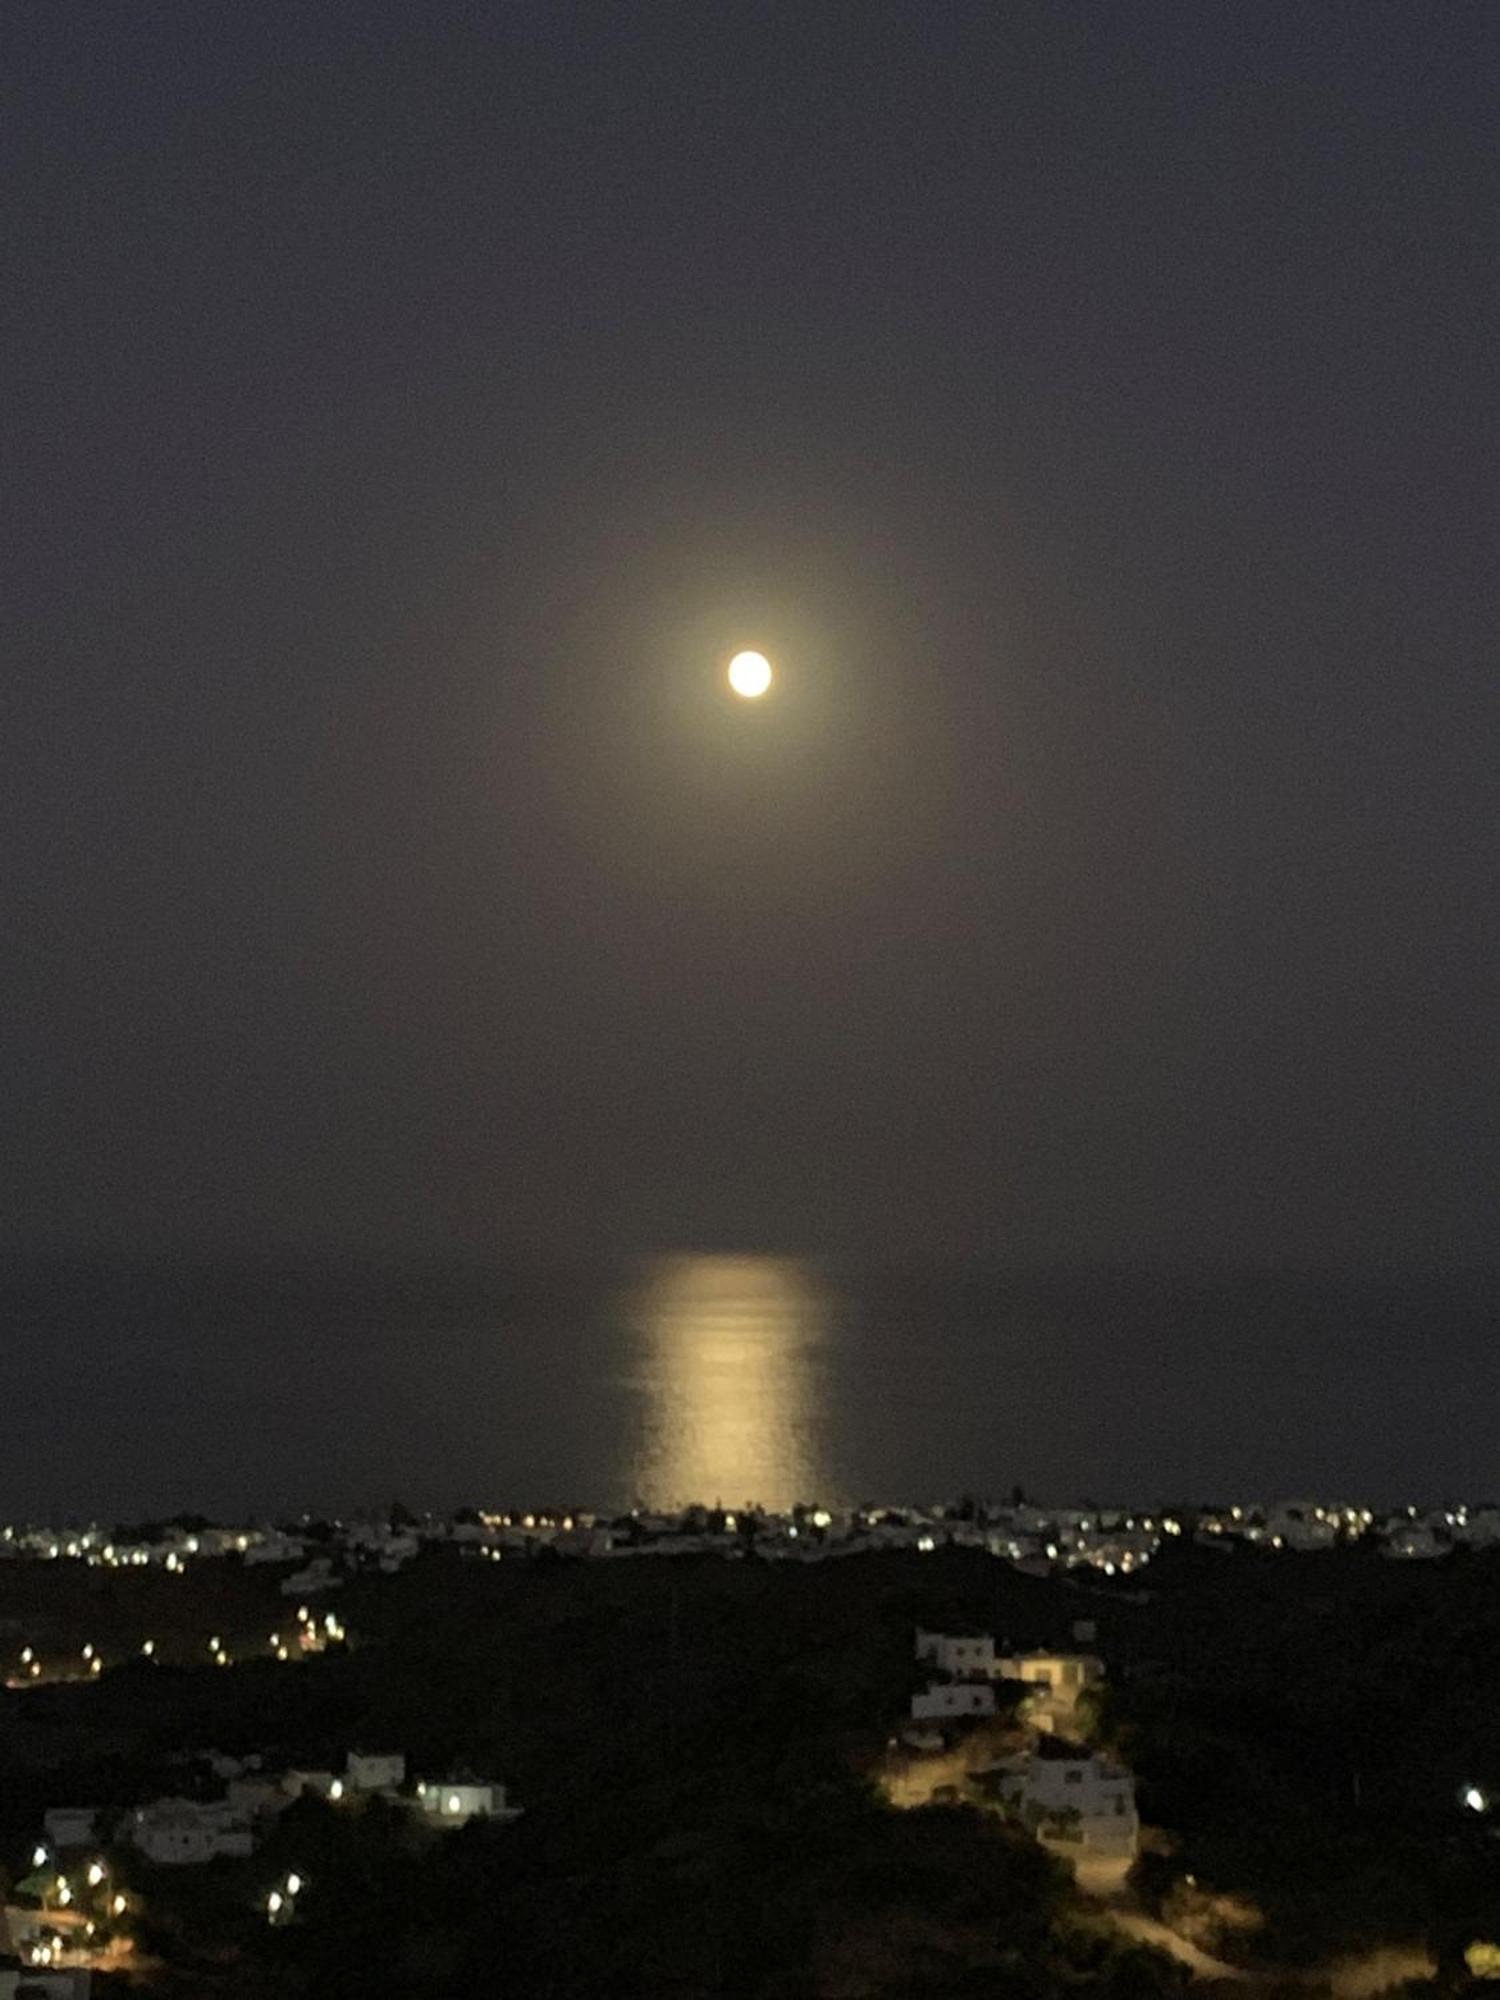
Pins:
x,y
62,1895
91,1548
312,1635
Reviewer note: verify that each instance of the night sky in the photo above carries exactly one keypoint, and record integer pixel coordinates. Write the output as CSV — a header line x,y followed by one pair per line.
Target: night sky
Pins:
x,y
1091,408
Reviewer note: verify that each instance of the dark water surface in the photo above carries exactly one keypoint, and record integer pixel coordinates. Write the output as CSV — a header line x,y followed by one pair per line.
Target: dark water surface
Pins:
x,y
137,1391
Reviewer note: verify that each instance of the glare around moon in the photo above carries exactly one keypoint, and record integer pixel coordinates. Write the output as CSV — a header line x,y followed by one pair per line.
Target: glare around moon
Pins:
x,y
750,674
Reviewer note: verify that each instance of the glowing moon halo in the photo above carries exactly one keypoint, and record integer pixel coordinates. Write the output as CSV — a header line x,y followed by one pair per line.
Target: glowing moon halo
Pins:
x,y
750,675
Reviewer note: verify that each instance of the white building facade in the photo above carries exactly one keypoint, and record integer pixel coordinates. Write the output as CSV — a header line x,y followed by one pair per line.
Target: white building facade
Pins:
x,y
374,1771
950,1700
179,1833
70,1826
1075,1804
970,1657
456,1801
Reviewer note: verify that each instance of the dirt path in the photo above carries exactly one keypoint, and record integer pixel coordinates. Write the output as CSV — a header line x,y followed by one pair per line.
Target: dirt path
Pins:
x,y
1152,1931
1360,1977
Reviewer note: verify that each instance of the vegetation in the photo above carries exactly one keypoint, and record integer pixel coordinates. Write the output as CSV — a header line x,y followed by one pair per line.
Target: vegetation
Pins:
x,y
1306,1727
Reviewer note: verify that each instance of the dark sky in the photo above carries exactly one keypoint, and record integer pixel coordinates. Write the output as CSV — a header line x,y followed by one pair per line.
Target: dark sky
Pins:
x,y
1091,407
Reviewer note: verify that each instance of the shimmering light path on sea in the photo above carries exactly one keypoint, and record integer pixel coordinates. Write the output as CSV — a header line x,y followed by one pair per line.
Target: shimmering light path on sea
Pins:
x,y
726,1363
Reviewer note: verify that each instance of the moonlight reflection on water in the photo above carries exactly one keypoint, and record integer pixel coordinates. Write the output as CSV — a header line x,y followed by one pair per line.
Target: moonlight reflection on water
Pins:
x,y
728,1368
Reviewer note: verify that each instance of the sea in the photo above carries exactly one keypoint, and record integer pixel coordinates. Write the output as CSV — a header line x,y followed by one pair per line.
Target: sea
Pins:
x,y
266,1388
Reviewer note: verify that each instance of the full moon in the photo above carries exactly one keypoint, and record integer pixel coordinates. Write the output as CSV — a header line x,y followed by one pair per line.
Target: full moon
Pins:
x,y
750,674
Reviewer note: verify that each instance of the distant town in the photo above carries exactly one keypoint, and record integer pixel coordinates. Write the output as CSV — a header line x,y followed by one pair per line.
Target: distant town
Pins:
x,y
1006,1661
320,1554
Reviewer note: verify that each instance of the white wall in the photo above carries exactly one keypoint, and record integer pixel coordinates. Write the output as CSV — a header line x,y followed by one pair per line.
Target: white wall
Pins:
x,y
376,1771
959,1698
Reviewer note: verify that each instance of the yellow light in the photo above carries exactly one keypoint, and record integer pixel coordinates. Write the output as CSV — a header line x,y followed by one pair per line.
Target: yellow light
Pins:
x,y
728,1349
117,1906
750,675
96,1873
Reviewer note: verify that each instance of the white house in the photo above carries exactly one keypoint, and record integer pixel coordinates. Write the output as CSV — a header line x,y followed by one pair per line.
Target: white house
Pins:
x,y
274,1548
45,1982
1058,1680
456,1801
385,1545
374,1771
972,1657
953,1698
181,1833
70,1826
1414,1542
1075,1802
